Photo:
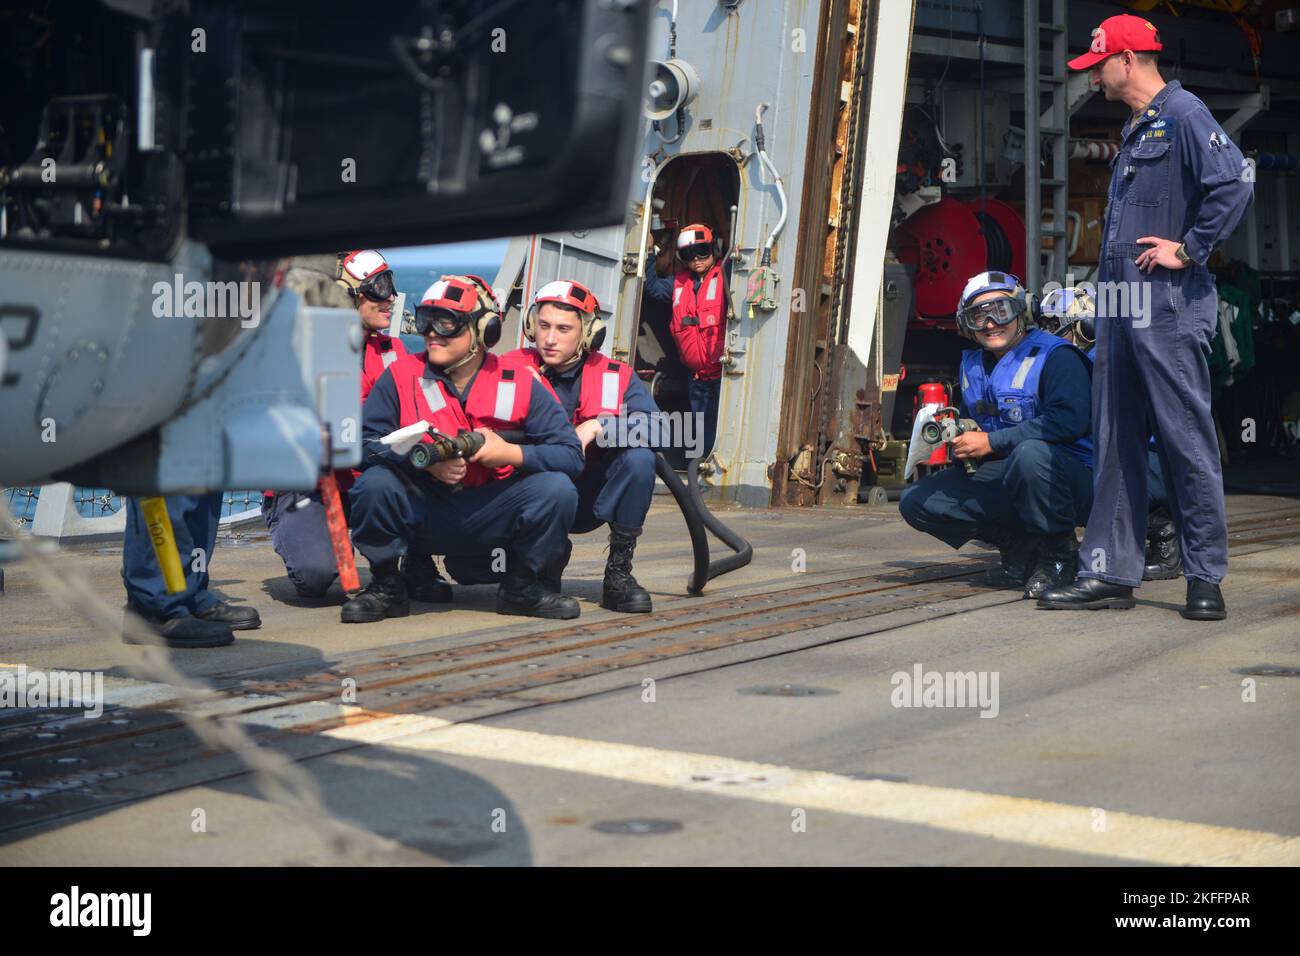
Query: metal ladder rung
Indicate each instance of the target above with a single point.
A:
(1052, 79)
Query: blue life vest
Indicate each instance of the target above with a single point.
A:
(1009, 395)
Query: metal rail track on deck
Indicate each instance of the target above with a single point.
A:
(55, 765)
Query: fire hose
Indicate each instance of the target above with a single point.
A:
(948, 429)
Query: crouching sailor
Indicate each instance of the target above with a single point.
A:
(617, 483)
(1029, 392)
(299, 530)
(515, 497)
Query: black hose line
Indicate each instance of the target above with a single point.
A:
(699, 539)
(698, 518)
(696, 514)
(999, 246)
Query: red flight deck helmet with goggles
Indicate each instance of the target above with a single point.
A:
(450, 306)
(696, 241)
(365, 271)
(575, 295)
(1117, 34)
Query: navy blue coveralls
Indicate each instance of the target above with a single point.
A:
(300, 535)
(194, 525)
(1033, 483)
(1157, 497)
(1177, 177)
(396, 507)
(617, 484)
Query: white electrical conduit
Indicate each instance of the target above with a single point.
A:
(780, 185)
(646, 214)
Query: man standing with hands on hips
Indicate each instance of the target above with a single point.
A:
(1177, 191)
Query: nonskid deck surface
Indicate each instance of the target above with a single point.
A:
(781, 678)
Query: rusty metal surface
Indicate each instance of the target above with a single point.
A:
(806, 368)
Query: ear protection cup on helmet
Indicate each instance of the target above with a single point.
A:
(487, 328)
(338, 276)
(593, 335)
(1087, 329)
(485, 322)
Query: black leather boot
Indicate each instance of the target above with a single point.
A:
(385, 596)
(1054, 567)
(1204, 601)
(553, 573)
(621, 592)
(1017, 553)
(180, 632)
(1087, 594)
(1164, 560)
(237, 617)
(423, 582)
(525, 594)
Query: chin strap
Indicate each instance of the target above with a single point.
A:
(565, 366)
(469, 355)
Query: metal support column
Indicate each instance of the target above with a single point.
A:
(1056, 131)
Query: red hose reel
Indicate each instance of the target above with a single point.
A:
(950, 241)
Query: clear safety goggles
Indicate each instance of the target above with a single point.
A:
(429, 318)
(1001, 311)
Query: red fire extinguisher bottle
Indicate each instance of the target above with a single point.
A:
(932, 393)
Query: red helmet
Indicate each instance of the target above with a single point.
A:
(367, 272)
(486, 290)
(568, 292)
(696, 241)
(693, 235)
(451, 293)
(577, 296)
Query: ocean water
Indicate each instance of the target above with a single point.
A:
(414, 280)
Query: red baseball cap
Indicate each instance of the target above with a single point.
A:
(1117, 34)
